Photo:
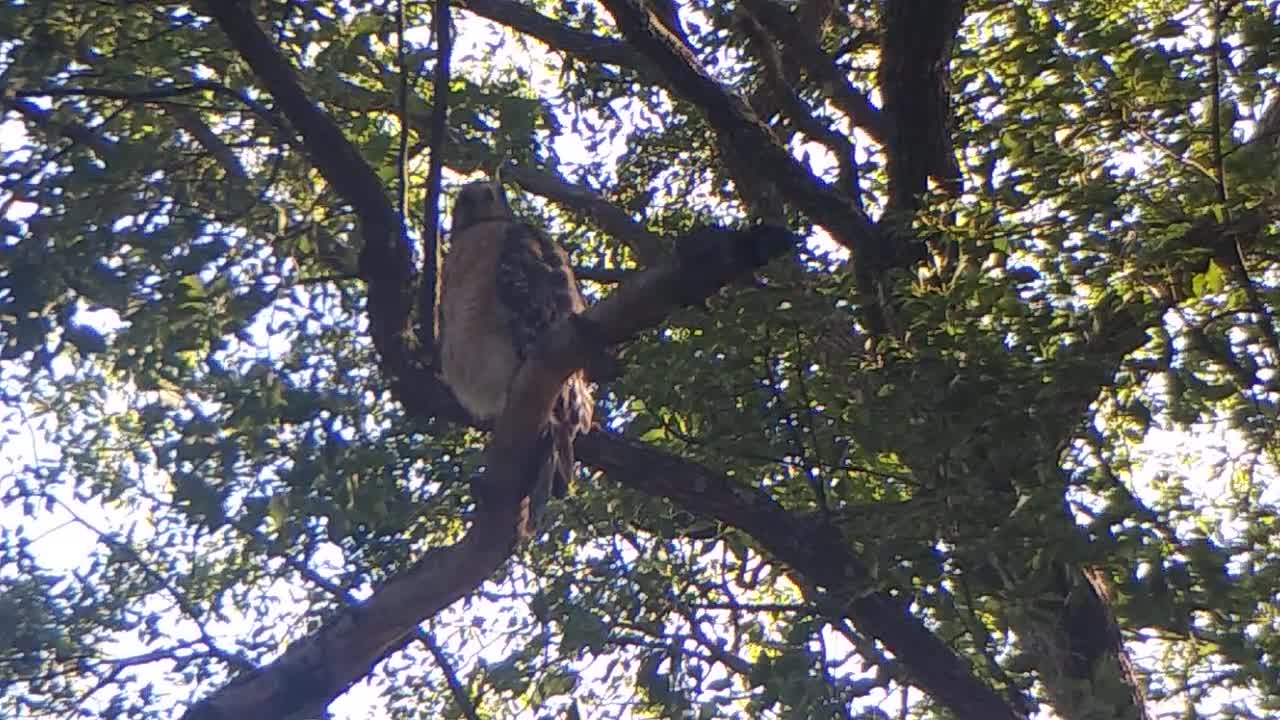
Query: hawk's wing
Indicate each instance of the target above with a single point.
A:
(538, 289)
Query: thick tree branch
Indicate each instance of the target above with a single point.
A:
(615, 221)
(340, 163)
(557, 36)
(800, 47)
(1071, 630)
(915, 54)
(739, 127)
(385, 249)
(423, 636)
(818, 552)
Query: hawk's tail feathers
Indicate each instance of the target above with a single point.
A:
(571, 415)
(540, 481)
(553, 465)
(562, 460)
(553, 460)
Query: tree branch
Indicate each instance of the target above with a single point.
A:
(739, 126)
(915, 55)
(432, 258)
(794, 107)
(456, 688)
(425, 637)
(152, 94)
(602, 275)
(557, 36)
(818, 552)
(188, 119)
(615, 221)
(800, 47)
(75, 132)
(385, 252)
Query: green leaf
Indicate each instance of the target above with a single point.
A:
(557, 683)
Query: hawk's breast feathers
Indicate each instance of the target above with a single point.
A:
(504, 284)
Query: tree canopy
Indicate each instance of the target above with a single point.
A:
(988, 432)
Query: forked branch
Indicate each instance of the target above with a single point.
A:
(738, 125)
(321, 666)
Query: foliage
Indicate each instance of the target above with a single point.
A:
(203, 458)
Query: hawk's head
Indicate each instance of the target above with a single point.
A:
(479, 202)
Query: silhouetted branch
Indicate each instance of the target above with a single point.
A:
(740, 128)
(150, 95)
(432, 258)
(584, 45)
(456, 688)
(916, 38)
(818, 552)
(188, 119)
(424, 637)
(602, 275)
(794, 108)
(386, 246)
(612, 219)
(800, 47)
(75, 132)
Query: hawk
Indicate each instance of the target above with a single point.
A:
(504, 284)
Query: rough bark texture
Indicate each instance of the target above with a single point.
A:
(916, 38)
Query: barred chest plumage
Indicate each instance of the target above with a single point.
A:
(477, 356)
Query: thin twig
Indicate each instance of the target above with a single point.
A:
(402, 62)
(152, 94)
(456, 687)
(794, 107)
(429, 301)
(1215, 119)
(184, 603)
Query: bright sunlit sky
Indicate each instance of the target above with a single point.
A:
(65, 542)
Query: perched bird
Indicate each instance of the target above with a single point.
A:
(504, 284)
